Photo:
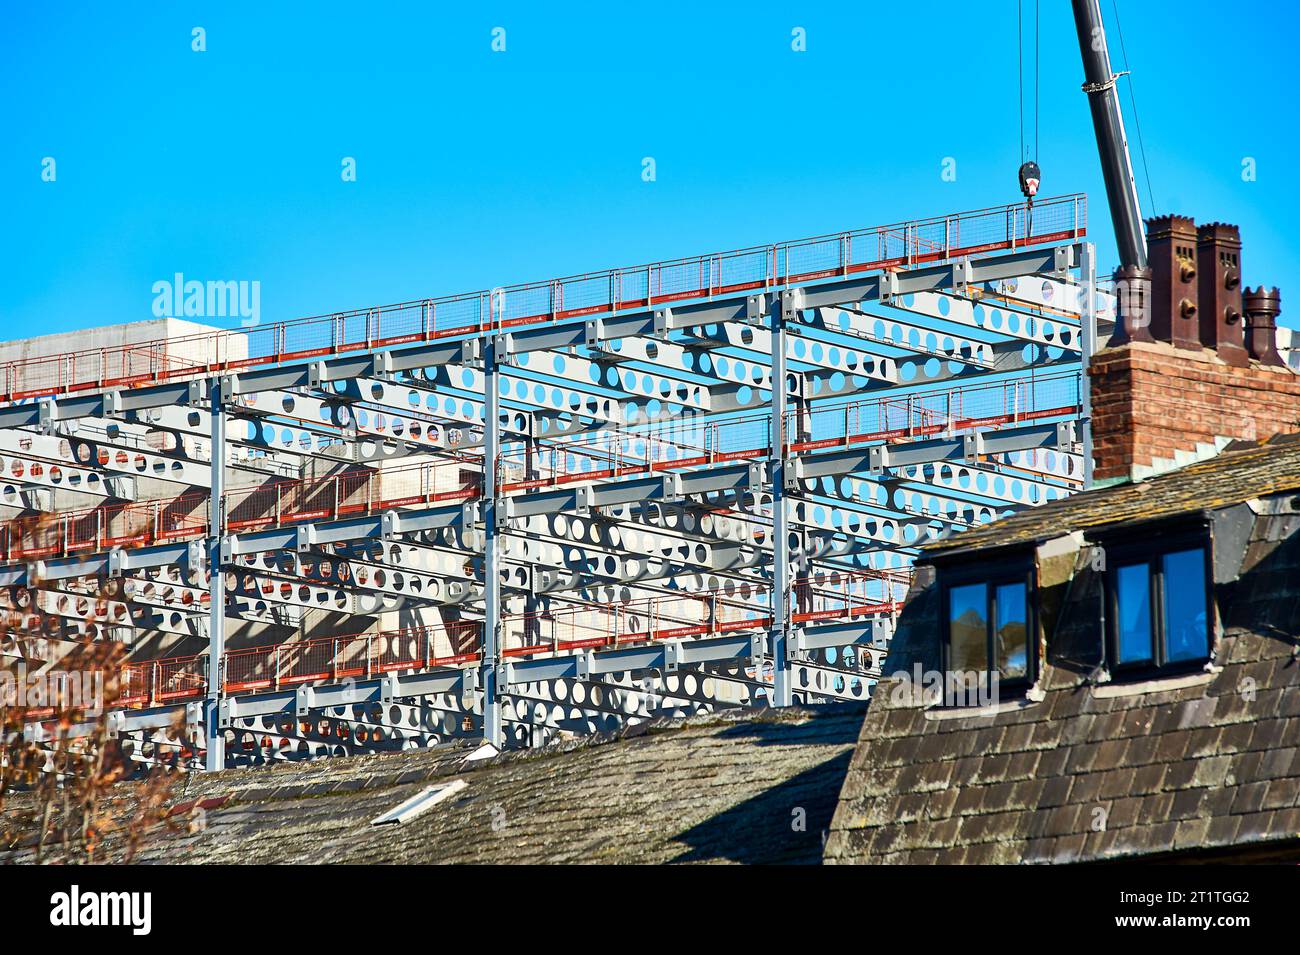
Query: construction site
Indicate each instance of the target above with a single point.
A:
(293, 529)
(658, 563)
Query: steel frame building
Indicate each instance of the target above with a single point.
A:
(545, 508)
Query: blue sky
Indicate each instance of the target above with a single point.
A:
(477, 169)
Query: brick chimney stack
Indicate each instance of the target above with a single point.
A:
(1192, 363)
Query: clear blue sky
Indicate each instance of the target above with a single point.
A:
(477, 168)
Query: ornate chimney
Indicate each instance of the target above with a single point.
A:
(1176, 381)
(1218, 262)
(1171, 253)
(1262, 307)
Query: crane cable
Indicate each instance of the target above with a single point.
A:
(1132, 99)
(1020, 52)
(1029, 174)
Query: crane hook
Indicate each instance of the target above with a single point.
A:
(1030, 176)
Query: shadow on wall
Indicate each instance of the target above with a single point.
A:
(782, 825)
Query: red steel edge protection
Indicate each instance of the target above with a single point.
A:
(279, 666)
(901, 245)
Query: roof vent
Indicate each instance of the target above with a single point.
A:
(419, 804)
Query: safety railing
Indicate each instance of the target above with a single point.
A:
(724, 273)
(740, 606)
(664, 617)
(899, 417)
(604, 455)
(840, 595)
(274, 504)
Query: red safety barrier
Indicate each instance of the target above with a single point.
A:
(843, 254)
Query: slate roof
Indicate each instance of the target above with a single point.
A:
(724, 788)
(1241, 472)
(1196, 767)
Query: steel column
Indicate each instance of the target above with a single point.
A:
(781, 695)
(492, 732)
(216, 744)
(1088, 340)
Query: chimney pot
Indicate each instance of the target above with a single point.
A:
(1132, 306)
(1171, 250)
(1218, 254)
(1262, 307)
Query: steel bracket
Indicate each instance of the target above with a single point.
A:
(888, 287)
(303, 699)
(1066, 437)
(877, 459)
(672, 655)
(972, 446)
(112, 402)
(792, 300)
(757, 475)
(505, 510)
(593, 333)
(1062, 261)
(305, 538)
(582, 500)
(471, 352)
(583, 664)
(663, 318)
(470, 681)
(671, 487)
(47, 410)
(503, 347)
(962, 276)
(793, 473)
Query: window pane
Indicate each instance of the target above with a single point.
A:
(1186, 634)
(1133, 612)
(1011, 640)
(968, 627)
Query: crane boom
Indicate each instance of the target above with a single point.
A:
(1112, 143)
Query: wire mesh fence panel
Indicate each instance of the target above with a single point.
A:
(180, 678)
(831, 594)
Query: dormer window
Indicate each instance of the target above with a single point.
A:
(1158, 610)
(989, 621)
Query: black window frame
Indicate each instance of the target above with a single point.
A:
(993, 573)
(1150, 546)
